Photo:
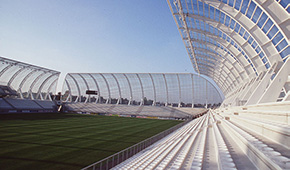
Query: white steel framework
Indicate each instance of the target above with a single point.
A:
(241, 44)
(178, 89)
(30, 81)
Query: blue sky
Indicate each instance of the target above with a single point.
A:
(93, 35)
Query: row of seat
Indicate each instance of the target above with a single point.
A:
(213, 141)
(273, 123)
(9, 104)
(150, 111)
(262, 130)
(263, 155)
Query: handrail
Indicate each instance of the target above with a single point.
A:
(121, 156)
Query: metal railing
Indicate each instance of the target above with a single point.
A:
(121, 156)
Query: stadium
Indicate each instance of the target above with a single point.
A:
(232, 112)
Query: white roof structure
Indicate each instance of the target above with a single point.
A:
(237, 43)
(141, 88)
(30, 81)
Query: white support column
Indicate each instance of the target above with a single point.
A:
(120, 95)
(287, 97)
(43, 83)
(272, 92)
(107, 84)
(193, 92)
(206, 94)
(166, 89)
(47, 93)
(261, 86)
(130, 88)
(142, 90)
(154, 90)
(69, 97)
(250, 89)
(24, 80)
(14, 76)
(5, 69)
(179, 90)
(33, 83)
(88, 88)
(239, 92)
(78, 99)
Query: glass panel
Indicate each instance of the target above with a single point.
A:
(227, 21)
(207, 27)
(272, 32)
(282, 45)
(250, 40)
(261, 55)
(277, 38)
(237, 27)
(232, 42)
(220, 33)
(264, 60)
(197, 24)
(195, 7)
(251, 9)
(268, 26)
(254, 45)
(242, 31)
(222, 18)
(200, 8)
(262, 20)
(211, 12)
(231, 3)
(246, 35)
(224, 36)
(232, 24)
(256, 14)
(206, 10)
(258, 49)
(244, 6)
(286, 52)
(217, 15)
(284, 3)
(238, 4)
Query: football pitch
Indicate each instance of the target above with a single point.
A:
(68, 141)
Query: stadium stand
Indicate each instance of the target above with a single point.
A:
(242, 45)
(207, 143)
(7, 91)
(26, 88)
(133, 110)
(4, 105)
(10, 105)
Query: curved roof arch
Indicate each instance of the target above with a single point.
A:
(254, 33)
(28, 80)
(136, 88)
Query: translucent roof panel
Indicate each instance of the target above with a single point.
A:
(159, 88)
(28, 80)
(247, 36)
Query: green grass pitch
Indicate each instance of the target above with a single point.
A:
(68, 141)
